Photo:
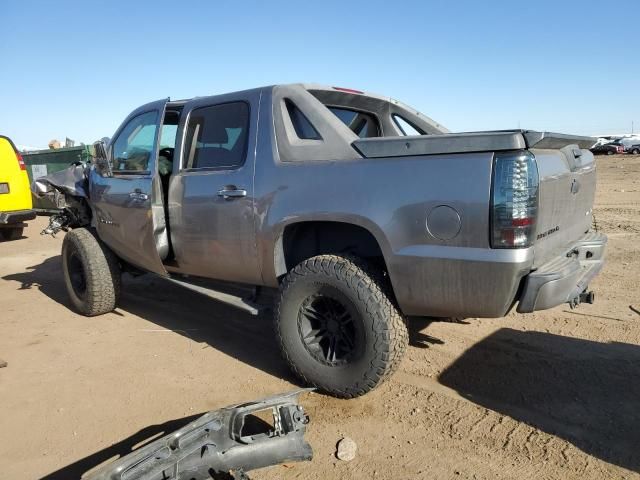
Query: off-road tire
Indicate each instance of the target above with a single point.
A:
(84, 254)
(385, 338)
(11, 233)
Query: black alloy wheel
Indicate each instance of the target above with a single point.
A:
(328, 329)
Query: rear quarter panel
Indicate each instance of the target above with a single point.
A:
(392, 198)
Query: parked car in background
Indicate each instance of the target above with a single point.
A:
(634, 149)
(15, 194)
(607, 149)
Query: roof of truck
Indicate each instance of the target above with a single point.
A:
(344, 91)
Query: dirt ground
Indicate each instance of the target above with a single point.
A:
(550, 395)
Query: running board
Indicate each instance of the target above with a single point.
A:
(242, 303)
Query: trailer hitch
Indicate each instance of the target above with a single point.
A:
(223, 443)
(584, 297)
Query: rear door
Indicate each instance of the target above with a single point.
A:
(211, 199)
(128, 205)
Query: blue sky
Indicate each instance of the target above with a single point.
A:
(77, 68)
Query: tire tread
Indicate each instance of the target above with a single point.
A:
(102, 272)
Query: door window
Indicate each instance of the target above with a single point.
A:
(168, 136)
(217, 136)
(135, 144)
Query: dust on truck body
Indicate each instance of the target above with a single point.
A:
(358, 209)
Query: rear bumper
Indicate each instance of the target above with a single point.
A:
(17, 216)
(442, 281)
(563, 279)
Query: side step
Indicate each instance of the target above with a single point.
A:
(246, 304)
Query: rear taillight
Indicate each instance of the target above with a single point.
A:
(514, 200)
(20, 161)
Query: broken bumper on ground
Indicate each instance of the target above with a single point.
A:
(225, 442)
(565, 279)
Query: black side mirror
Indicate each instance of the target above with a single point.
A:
(101, 161)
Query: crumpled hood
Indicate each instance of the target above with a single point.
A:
(72, 181)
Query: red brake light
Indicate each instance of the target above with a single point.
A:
(21, 161)
(347, 90)
(522, 222)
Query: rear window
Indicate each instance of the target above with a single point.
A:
(362, 124)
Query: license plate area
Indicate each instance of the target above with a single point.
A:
(4, 188)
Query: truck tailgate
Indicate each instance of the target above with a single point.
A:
(566, 194)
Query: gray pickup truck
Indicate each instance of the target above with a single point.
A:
(351, 211)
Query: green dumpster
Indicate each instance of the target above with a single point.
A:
(43, 162)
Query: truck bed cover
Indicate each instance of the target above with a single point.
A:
(467, 142)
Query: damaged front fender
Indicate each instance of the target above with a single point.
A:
(222, 443)
(66, 192)
(70, 181)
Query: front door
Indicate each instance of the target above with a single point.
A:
(211, 203)
(128, 205)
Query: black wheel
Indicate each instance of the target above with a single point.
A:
(91, 273)
(609, 152)
(337, 327)
(11, 233)
(635, 151)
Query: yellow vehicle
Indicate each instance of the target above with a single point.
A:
(15, 194)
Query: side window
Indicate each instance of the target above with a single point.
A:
(134, 145)
(217, 136)
(405, 127)
(362, 124)
(303, 127)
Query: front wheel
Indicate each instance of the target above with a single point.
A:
(337, 327)
(91, 273)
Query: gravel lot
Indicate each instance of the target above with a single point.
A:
(550, 395)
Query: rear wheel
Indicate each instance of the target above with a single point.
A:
(609, 152)
(11, 233)
(635, 151)
(91, 273)
(337, 327)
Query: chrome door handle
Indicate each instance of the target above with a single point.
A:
(228, 193)
(138, 196)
